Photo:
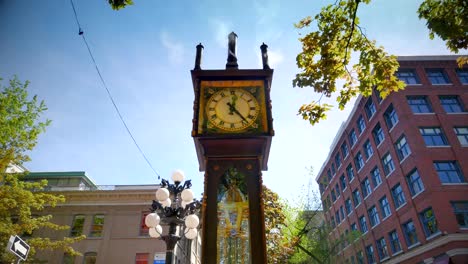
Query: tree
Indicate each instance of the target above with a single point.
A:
(326, 52)
(119, 4)
(279, 247)
(21, 202)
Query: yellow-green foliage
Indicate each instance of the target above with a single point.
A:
(21, 202)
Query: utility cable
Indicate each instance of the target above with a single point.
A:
(81, 33)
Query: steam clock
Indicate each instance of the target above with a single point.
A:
(232, 131)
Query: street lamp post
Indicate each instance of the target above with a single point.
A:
(176, 207)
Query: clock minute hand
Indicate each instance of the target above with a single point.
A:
(233, 109)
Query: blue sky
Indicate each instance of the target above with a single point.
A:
(145, 53)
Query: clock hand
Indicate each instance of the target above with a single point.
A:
(232, 109)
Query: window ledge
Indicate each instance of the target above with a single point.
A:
(369, 157)
(397, 253)
(377, 186)
(405, 158)
(380, 143)
(388, 175)
(441, 146)
(429, 113)
(417, 194)
(384, 259)
(455, 183)
(352, 180)
(394, 125)
(398, 208)
(414, 84)
(457, 113)
(414, 245)
(438, 233)
(441, 84)
(358, 206)
(93, 238)
(374, 226)
(386, 217)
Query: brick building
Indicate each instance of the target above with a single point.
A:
(397, 170)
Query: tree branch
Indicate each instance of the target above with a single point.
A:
(309, 253)
(353, 24)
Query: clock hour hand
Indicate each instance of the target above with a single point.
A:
(233, 109)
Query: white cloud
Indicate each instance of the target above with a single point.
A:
(274, 58)
(222, 30)
(175, 49)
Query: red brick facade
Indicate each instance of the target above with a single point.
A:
(430, 196)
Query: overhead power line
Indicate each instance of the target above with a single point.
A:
(81, 33)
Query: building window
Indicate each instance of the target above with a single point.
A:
(370, 108)
(338, 160)
(337, 217)
(385, 207)
(402, 148)
(368, 151)
(350, 172)
(361, 124)
(419, 104)
(408, 76)
(342, 213)
(462, 135)
(448, 172)
(428, 222)
(352, 137)
(337, 188)
(461, 213)
(349, 206)
(356, 198)
(360, 257)
(68, 259)
(343, 182)
(433, 136)
(333, 222)
(366, 188)
(382, 248)
(378, 134)
(353, 227)
(344, 150)
(363, 224)
(410, 233)
(77, 225)
(90, 258)
(329, 175)
(370, 254)
(143, 228)
(333, 170)
(398, 196)
(414, 183)
(451, 104)
(437, 76)
(391, 117)
(463, 75)
(387, 164)
(333, 194)
(376, 179)
(359, 161)
(97, 226)
(141, 258)
(394, 241)
(373, 216)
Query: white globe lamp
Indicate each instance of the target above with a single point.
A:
(178, 176)
(162, 194)
(187, 195)
(191, 233)
(155, 231)
(192, 221)
(152, 220)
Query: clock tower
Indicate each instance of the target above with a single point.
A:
(232, 131)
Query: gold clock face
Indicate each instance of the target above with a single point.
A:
(232, 109)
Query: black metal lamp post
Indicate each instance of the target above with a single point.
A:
(176, 207)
